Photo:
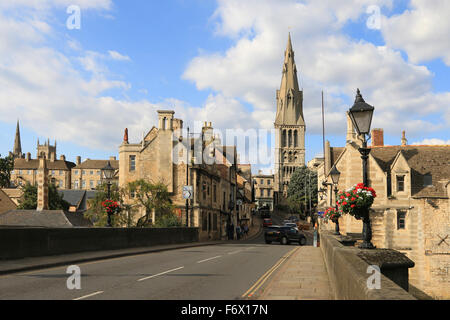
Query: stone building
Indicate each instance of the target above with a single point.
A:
(26, 169)
(411, 212)
(161, 157)
(289, 126)
(87, 175)
(245, 204)
(264, 190)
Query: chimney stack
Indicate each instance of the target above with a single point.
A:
(78, 161)
(42, 189)
(125, 136)
(28, 156)
(404, 140)
(377, 138)
(62, 157)
(112, 158)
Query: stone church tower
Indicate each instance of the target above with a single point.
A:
(289, 125)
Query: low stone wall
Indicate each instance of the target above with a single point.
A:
(348, 274)
(33, 242)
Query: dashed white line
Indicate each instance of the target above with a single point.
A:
(89, 295)
(233, 252)
(208, 259)
(159, 274)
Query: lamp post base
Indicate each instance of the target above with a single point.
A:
(366, 245)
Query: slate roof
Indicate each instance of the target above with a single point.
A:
(423, 160)
(23, 164)
(97, 164)
(6, 203)
(77, 198)
(43, 219)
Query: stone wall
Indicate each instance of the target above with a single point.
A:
(18, 243)
(348, 274)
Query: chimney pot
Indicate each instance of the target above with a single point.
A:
(62, 157)
(78, 162)
(377, 138)
(112, 158)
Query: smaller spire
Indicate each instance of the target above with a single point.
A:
(17, 144)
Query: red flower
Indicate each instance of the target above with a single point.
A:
(353, 199)
(352, 206)
(344, 203)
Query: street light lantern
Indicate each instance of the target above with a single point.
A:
(108, 172)
(361, 114)
(335, 174)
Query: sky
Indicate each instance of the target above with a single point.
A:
(81, 71)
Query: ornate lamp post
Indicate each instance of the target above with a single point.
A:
(108, 174)
(361, 115)
(335, 174)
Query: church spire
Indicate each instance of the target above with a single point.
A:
(289, 97)
(17, 152)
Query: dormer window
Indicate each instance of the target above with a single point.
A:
(400, 183)
(427, 180)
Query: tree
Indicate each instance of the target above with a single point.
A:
(29, 199)
(6, 166)
(97, 213)
(302, 189)
(153, 197)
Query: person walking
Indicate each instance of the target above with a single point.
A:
(238, 232)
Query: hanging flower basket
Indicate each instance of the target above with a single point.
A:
(111, 207)
(333, 214)
(356, 201)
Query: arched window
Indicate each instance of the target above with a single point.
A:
(295, 138)
(283, 139)
(290, 138)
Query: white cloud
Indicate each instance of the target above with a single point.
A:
(326, 59)
(432, 141)
(117, 56)
(422, 30)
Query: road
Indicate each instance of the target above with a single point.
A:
(223, 272)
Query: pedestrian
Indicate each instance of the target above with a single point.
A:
(238, 232)
(246, 230)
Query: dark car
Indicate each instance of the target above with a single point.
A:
(284, 235)
(294, 219)
(267, 222)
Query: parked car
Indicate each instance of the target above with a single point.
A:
(294, 219)
(291, 224)
(284, 235)
(267, 222)
(287, 221)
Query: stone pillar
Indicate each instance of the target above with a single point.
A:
(42, 189)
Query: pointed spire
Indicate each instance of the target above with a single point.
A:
(17, 144)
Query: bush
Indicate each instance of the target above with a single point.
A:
(168, 221)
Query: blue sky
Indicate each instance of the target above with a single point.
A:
(217, 61)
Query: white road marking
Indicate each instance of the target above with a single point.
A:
(89, 295)
(159, 274)
(208, 259)
(233, 252)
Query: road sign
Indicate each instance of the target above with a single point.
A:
(188, 192)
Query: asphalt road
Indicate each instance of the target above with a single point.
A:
(225, 271)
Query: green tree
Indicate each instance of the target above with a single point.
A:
(29, 199)
(152, 197)
(302, 188)
(6, 166)
(97, 213)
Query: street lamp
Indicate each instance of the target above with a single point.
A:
(108, 174)
(361, 115)
(335, 174)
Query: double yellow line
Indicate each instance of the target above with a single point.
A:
(250, 292)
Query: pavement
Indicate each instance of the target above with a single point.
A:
(36, 263)
(302, 276)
